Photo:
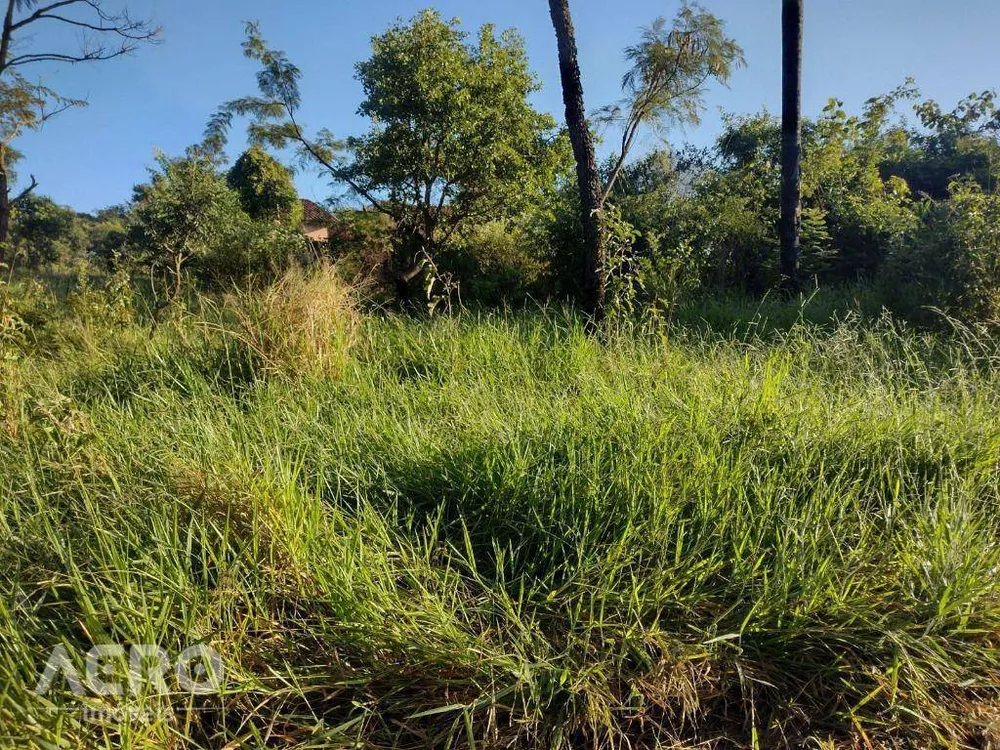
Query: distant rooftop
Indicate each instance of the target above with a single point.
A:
(314, 214)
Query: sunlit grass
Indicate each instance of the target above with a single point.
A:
(496, 531)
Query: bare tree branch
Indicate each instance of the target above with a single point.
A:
(92, 56)
(27, 105)
(25, 193)
(96, 20)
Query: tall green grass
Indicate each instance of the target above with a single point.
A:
(495, 531)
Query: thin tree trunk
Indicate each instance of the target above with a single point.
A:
(178, 270)
(4, 212)
(791, 142)
(587, 175)
(5, 39)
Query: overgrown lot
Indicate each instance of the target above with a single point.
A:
(495, 531)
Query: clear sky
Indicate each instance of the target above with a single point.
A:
(162, 97)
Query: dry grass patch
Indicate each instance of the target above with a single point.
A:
(303, 324)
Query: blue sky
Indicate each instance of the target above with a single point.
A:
(162, 97)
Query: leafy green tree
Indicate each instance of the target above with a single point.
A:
(866, 212)
(181, 214)
(107, 234)
(24, 106)
(453, 139)
(671, 66)
(188, 216)
(964, 141)
(44, 232)
(265, 187)
(27, 105)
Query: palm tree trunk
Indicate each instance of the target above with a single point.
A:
(588, 178)
(791, 142)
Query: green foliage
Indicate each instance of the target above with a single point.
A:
(265, 188)
(724, 223)
(12, 326)
(108, 239)
(494, 529)
(187, 214)
(553, 227)
(670, 68)
(496, 262)
(361, 243)
(952, 260)
(960, 142)
(303, 323)
(45, 233)
(112, 304)
(251, 251)
(623, 282)
(454, 139)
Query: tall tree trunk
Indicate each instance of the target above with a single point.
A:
(791, 142)
(4, 212)
(588, 178)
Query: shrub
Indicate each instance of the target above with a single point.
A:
(265, 188)
(182, 215)
(45, 233)
(111, 304)
(305, 323)
(250, 251)
(188, 217)
(952, 259)
(361, 243)
(495, 263)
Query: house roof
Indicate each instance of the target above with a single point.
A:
(314, 214)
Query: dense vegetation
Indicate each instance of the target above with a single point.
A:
(907, 210)
(495, 529)
(416, 497)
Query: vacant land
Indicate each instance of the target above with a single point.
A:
(496, 531)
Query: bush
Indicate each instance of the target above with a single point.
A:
(187, 217)
(45, 233)
(304, 323)
(250, 251)
(952, 260)
(495, 264)
(265, 188)
(361, 244)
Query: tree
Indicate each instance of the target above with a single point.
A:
(671, 66)
(265, 187)
(587, 175)
(453, 138)
(964, 141)
(27, 105)
(181, 214)
(45, 232)
(791, 142)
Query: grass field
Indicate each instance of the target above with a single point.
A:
(494, 531)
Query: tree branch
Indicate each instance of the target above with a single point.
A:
(42, 11)
(100, 22)
(128, 31)
(25, 193)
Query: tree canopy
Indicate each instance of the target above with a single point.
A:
(265, 188)
(453, 138)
